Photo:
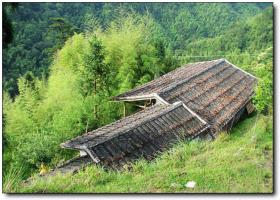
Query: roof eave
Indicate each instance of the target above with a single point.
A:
(66, 145)
(142, 98)
(91, 153)
(134, 98)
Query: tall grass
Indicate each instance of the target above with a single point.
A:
(12, 179)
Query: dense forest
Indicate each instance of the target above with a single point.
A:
(41, 29)
(66, 60)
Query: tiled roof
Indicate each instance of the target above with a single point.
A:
(144, 133)
(196, 99)
(214, 90)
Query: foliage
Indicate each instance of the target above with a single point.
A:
(240, 44)
(62, 27)
(95, 72)
(40, 29)
(75, 98)
(248, 45)
(263, 67)
(58, 85)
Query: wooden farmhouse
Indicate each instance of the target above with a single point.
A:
(197, 100)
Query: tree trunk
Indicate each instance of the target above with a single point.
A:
(94, 92)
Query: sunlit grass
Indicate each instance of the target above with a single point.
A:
(239, 162)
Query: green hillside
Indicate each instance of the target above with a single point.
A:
(239, 162)
(66, 61)
(42, 28)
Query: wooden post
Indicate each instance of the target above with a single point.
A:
(94, 92)
(124, 109)
(92, 154)
(95, 111)
(87, 127)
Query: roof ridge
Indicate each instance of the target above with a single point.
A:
(166, 75)
(222, 59)
(168, 108)
(115, 122)
(185, 65)
(241, 69)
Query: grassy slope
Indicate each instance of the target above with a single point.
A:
(239, 162)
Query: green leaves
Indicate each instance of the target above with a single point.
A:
(119, 51)
(264, 70)
(95, 73)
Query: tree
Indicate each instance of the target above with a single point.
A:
(62, 26)
(264, 92)
(95, 72)
(8, 31)
(62, 29)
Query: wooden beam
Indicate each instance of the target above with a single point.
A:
(92, 155)
(135, 98)
(250, 107)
